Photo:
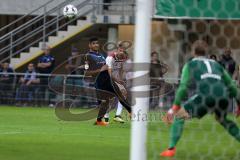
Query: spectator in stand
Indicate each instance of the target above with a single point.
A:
(27, 86)
(213, 57)
(74, 67)
(228, 62)
(74, 62)
(157, 70)
(236, 75)
(6, 83)
(230, 65)
(45, 66)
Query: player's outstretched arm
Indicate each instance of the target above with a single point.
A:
(180, 95)
(92, 73)
(182, 89)
(95, 72)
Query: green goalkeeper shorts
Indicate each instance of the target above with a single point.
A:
(214, 99)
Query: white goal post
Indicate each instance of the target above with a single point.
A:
(141, 55)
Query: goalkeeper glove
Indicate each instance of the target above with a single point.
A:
(168, 118)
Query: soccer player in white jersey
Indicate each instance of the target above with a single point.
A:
(115, 62)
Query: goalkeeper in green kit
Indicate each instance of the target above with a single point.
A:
(213, 89)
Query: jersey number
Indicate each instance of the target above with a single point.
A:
(209, 73)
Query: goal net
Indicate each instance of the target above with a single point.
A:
(177, 24)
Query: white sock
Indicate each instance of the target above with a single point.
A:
(106, 115)
(119, 109)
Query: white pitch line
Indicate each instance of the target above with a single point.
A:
(9, 133)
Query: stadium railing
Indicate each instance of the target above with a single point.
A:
(40, 93)
(45, 91)
(43, 94)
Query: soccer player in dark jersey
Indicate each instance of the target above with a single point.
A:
(213, 89)
(106, 90)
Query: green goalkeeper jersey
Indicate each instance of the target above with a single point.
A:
(205, 77)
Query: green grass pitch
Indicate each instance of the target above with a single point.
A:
(37, 134)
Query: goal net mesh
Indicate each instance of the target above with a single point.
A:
(216, 22)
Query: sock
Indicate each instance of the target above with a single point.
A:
(106, 117)
(232, 128)
(103, 108)
(126, 105)
(99, 119)
(176, 132)
(119, 109)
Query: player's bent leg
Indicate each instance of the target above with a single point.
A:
(194, 110)
(106, 117)
(118, 89)
(176, 133)
(118, 117)
(102, 111)
(119, 109)
(104, 95)
(221, 116)
(230, 126)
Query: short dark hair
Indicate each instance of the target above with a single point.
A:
(200, 51)
(154, 52)
(93, 39)
(213, 56)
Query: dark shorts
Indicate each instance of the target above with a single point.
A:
(107, 89)
(103, 82)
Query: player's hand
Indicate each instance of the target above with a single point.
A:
(82, 67)
(168, 118)
(21, 80)
(40, 65)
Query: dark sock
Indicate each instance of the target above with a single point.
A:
(171, 148)
(99, 119)
(103, 109)
(106, 119)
